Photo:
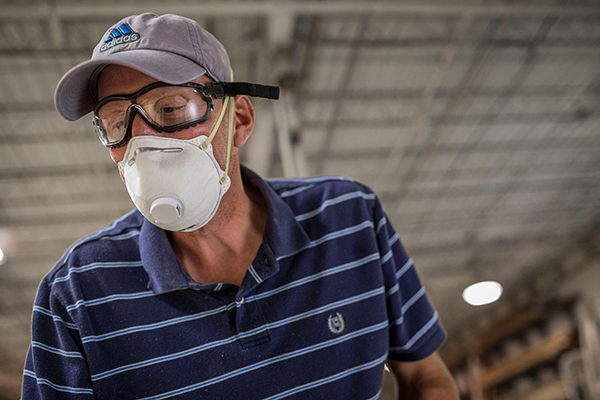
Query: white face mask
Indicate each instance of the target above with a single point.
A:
(177, 184)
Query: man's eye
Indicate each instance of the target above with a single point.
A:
(119, 125)
(171, 109)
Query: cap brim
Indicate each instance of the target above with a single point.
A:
(73, 98)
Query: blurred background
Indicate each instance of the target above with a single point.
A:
(476, 122)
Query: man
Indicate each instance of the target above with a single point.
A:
(220, 285)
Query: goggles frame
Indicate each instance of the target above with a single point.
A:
(218, 90)
(135, 108)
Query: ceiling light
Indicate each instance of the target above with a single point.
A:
(482, 293)
(2, 257)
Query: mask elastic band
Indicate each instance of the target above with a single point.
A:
(229, 138)
(208, 141)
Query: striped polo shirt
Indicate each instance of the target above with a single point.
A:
(330, 296)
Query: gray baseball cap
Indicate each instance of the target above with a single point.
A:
(170, 48)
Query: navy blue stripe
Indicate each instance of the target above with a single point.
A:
(270, 361)
(211, 345)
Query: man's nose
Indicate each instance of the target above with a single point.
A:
(141, 127)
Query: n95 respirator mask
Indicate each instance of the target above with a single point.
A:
(176, 184)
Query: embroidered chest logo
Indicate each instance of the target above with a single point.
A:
(336, 323)
(120, 35)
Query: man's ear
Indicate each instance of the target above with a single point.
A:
(244, 120)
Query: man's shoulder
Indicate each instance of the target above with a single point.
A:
(325, 198)
(315, 186)
(117, 242)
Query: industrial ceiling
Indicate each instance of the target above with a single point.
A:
(476, 122)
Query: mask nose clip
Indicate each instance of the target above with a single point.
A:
(141, 150)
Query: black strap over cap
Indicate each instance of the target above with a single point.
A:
(222, 89)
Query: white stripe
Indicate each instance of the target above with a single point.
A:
(221, 342)
(314, 277)
(331, 236)
(392, 290)
(54, 386)
(376, 395)
(407, 307)
(417, 335)
(54, 350)
(330, 379)
(273, 360)
(29, 373)
(254, 274)
(315, 179)
(334, 201)
(381, 224)
(294, 192)
(124, 236)
(340, 233)
(156, 325)
(404, 268)
(387, 257)
(88, 267)
(111, 298)
(413, 300)
(42, 310)
(393, 239)
(327, 307)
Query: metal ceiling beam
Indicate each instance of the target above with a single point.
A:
(444, 93)
(58, 171)
(411, 152)
(531, 145)
(493, 189)
(344, 85)
(457, 43)
(458, 120)
(483, 246)
(500, 103)
(234, 8)
(89, 199)
(525, 219)
(99, 216)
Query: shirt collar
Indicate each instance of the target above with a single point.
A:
(283, 236)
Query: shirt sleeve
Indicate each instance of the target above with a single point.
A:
(415, 328)
(55, 367)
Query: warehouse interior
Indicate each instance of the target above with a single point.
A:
(477, 123)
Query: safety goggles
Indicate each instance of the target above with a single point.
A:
(165, 107)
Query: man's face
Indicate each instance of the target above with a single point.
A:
(116, 79)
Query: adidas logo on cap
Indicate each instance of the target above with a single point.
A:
(120, 35)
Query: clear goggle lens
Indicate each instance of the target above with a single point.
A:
(166, 108)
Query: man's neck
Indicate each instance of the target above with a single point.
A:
(222, 251)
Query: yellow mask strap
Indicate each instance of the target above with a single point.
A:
(208, 141)
(229, 137)
(228, 101)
